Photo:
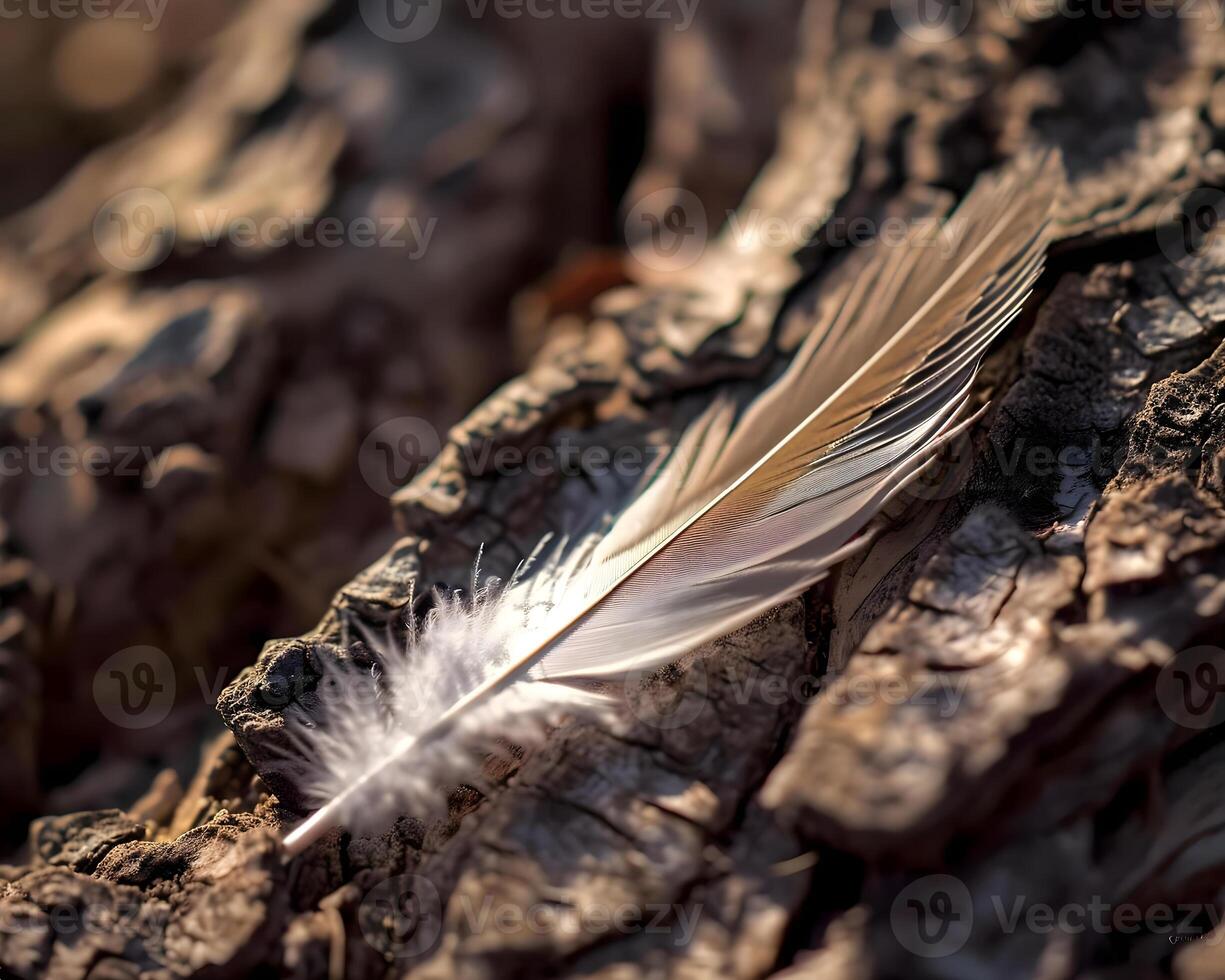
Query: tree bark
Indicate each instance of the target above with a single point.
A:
(987, 746)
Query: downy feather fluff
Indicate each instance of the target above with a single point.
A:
(750, 510)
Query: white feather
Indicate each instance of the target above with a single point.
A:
(746, 514)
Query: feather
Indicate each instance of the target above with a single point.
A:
(747, 513)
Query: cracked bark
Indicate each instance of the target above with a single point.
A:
(983, 693)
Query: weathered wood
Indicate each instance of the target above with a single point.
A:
(986, 694)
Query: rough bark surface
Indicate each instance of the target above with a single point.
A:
(981, 715)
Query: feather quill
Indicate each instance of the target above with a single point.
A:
(747, 513)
